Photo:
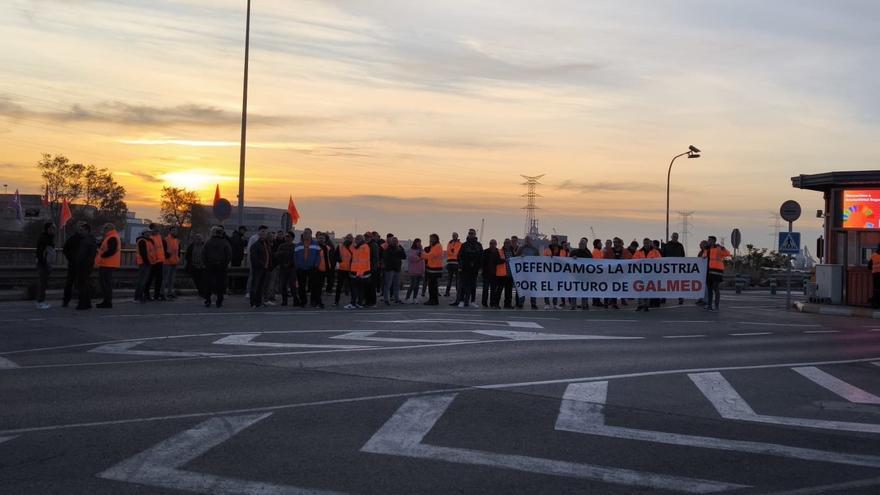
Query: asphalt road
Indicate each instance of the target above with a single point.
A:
(176, 398)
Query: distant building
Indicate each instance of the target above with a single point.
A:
(133, 227)
(254, 216)
(32, 208)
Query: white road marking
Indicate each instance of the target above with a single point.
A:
(687, 321)
(160, 465)
(683, 336)
(246, 339)
(821, 331)
(835, 487)
(365, 398)
(838, 386)
(5, 439)
(368, 336)
(608, 321)
(766, 324)
(583, 411)
(749, 334)
(498, 323)
(126, 348)
(874, 330)
(515, 335)
(730, 405)
(403, 433)
(7, 364)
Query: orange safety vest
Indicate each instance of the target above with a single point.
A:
(344, 258)
(452, 250)
(562, 252)
(137, 250)
(716, 257)
(115, 259)
(653, 253)
(434, 259)
(360, 261)
(158, 249)
(173, 250)
(501, 270)
(875, 263)
(322, 262)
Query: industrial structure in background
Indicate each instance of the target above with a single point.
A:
(685, 230)
(531, 227)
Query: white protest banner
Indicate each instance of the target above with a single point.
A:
(545, 276)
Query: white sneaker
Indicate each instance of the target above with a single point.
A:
(269, 303)
(475, 305)
(461, 305)
(247, 296)
(43, 305)
(547, 307)
(350, 306)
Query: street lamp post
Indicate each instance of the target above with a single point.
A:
(692, 152)
(247, 40)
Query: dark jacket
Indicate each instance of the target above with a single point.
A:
(71, 247)
(284, 256)
(580, 253)
(237, 244)
(261, 255)
(392, 258)
(44, 241)
(470, 257)
(673, 249)
(217, 251)
(374, 255)
(85, 253)
(491, 260)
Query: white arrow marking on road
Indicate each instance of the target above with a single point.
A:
(493, 323)
(159, 466)
(246, 339)
(4, 439)
(7, 364)
(731, 405)
(368, 336)
(514, 335)
(838, 386)
(126, 348)
(403, 433)
(583, 411)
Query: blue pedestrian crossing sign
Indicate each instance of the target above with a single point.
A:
(789, 242)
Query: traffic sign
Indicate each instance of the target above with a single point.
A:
(789, 242)
(790, 211)
(735, 238)
(222, 209)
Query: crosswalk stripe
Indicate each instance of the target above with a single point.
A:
(583, 411)
(838, 386)
(403, 433)
(730, 405)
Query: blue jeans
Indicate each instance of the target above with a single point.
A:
(392, 286)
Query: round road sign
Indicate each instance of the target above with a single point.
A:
(735, 238)
(790, 211)
(222, 209)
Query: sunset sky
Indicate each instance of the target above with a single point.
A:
(415, 117)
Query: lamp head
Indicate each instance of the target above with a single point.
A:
(693, 149)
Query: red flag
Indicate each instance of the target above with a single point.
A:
(65, 212)
(216, 195)
(294, 214)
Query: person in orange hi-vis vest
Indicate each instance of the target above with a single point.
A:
(715, 255)
(359, 272)
(108, 260)
(874, 265)
(453, 247)
(172, 259)
(647, 251)
(157, 262)
(343, 256)
(433, 257)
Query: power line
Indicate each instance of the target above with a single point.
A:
(531, 183)
(685, 230)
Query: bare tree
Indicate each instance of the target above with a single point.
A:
(177, 204)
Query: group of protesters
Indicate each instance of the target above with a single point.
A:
(362, 267)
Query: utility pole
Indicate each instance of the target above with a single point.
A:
(776, 226)
(247, 42)
(531, 222)
(685, 221)
(482, 228)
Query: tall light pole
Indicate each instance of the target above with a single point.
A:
(247, 42)
(692, 152)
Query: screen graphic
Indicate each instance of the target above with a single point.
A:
(861, 209)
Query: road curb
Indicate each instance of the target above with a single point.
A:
(824, 309)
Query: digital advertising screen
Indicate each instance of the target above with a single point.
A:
(861, 209)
